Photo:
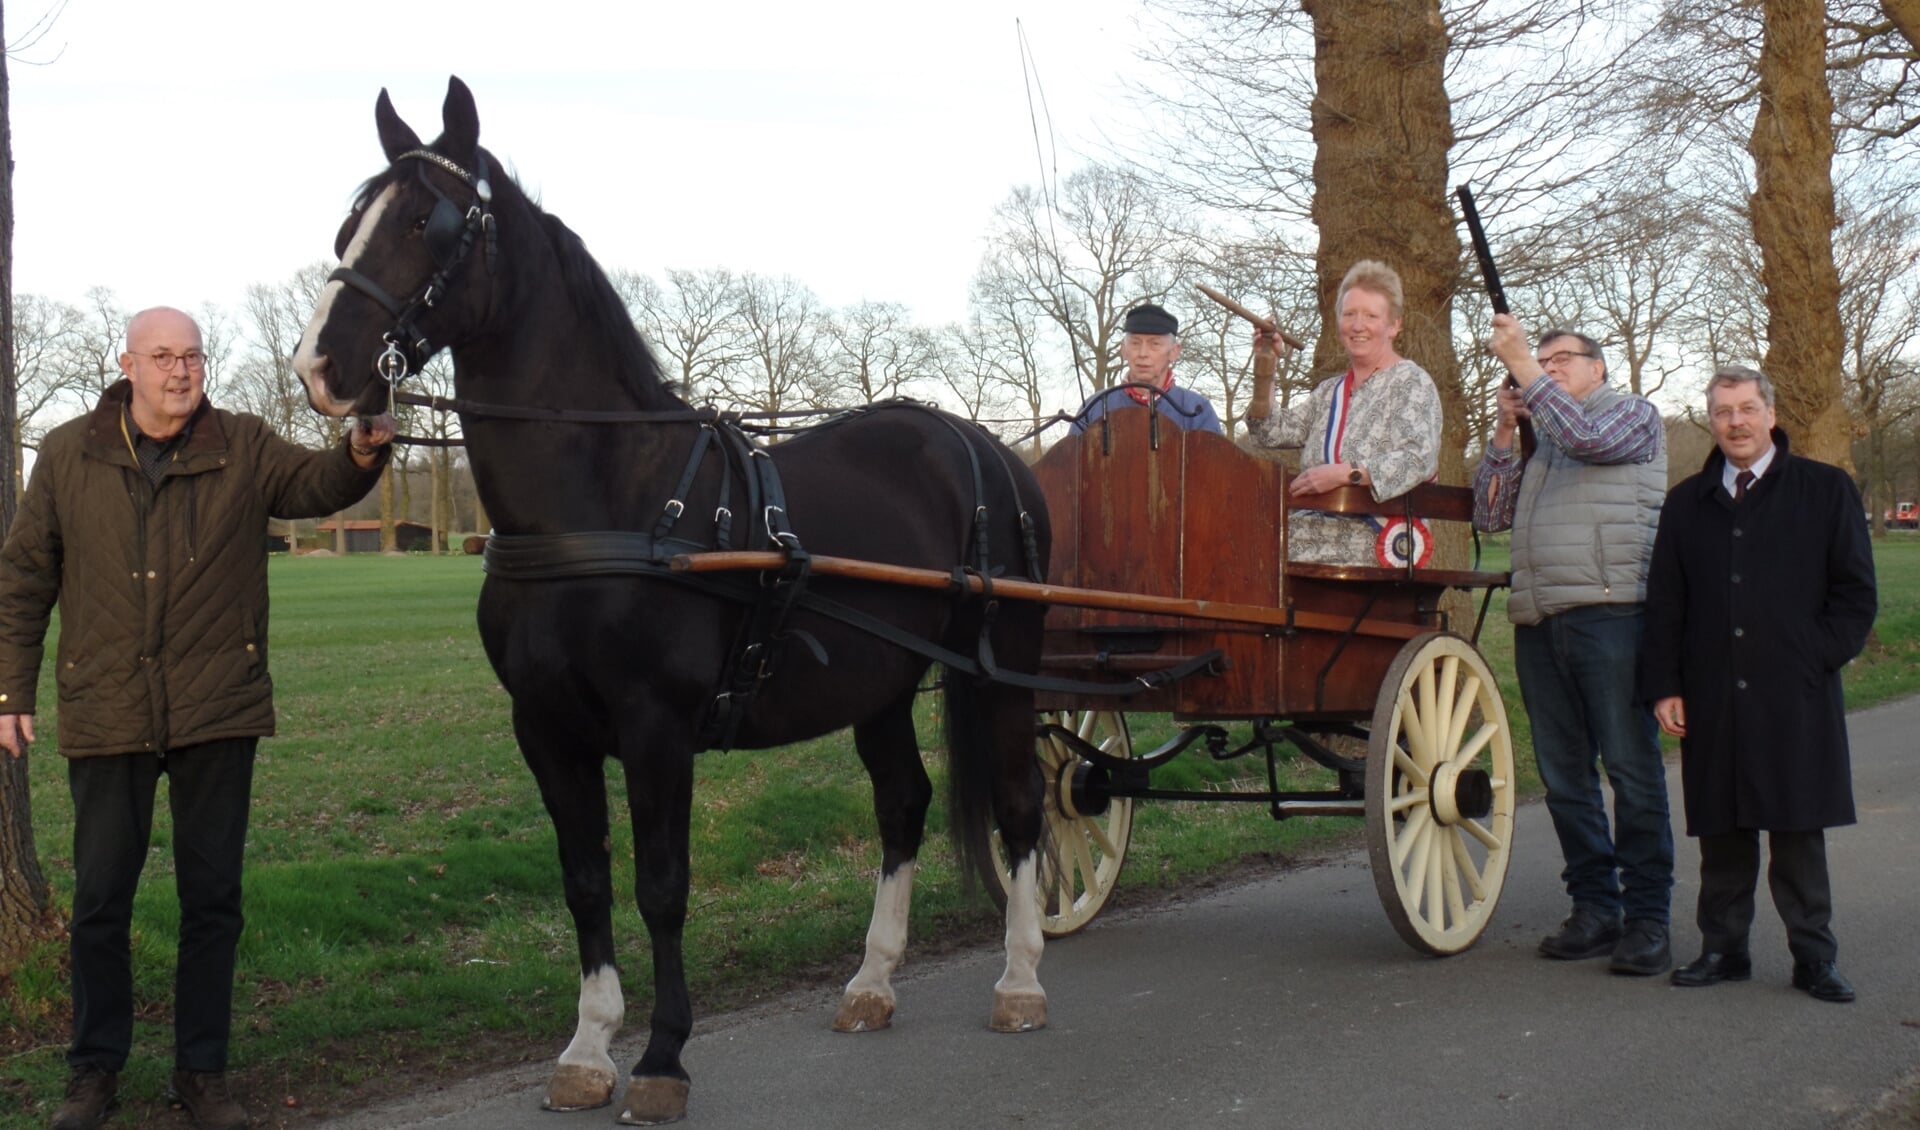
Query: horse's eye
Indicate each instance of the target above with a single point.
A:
(420, 225)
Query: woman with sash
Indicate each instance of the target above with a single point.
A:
(1377, 425)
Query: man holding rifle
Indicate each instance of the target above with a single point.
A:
(1583, 510)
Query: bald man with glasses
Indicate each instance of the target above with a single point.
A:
(146, 522)
(1583, 509)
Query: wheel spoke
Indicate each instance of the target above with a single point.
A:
(1468, 870)
(1413, 773)
(1434, 894)
(1482, 833)
(1409, 837)
(1450, 871)
(1472, 749)
(1097, 832)
(1443, 705)
(1462, 712)
(1414, 731)
(1406, 800)
(1429, 735)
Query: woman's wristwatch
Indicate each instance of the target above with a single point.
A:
(1353, 473)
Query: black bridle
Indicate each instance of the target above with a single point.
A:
(449, 234)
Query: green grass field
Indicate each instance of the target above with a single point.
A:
(403, 897)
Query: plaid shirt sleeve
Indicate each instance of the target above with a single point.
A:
(1628, 432)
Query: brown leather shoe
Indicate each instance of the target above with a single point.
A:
(91, 1093)
(205, 1096)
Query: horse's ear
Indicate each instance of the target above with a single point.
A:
(460, 120)
(396, 136)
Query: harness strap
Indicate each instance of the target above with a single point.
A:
(751, 659)
(676, 505)
(591, 553)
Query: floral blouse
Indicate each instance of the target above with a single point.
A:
(1391, 428)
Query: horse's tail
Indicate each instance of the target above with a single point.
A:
(970, 772)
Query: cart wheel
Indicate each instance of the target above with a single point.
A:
(1440, 793)
(1086, 841)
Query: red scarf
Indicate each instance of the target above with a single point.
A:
(1145, 398)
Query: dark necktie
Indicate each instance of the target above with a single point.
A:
(1741, 482)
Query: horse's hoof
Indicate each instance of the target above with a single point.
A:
(578, 1088)
(863, 1012)
(654, 1099)
(1019, 1012)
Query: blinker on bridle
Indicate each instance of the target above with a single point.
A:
(449, 236)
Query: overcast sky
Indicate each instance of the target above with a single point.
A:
(178, 150)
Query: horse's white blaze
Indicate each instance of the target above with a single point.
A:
(1024, 939)
(305, 358)
(601, 1009)
(886, 934)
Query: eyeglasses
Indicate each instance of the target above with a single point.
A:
(167, 361)
(1561, 358)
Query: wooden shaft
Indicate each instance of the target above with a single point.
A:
(855, 569)
(1261, 406)
(1266, 324)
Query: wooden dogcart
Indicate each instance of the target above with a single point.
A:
(1153, 516)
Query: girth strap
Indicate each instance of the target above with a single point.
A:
(593, 553)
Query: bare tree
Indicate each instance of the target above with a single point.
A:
(1080, 257)
(1636, 275)
(780, 324)
(967, 367)
(26, 903)
(102, 338)
(1793, 221)
(873, 351)
(1878, 256)
(262, 381)
(1004, 342)
(694, 321)
(47, 389)
(1216, 357)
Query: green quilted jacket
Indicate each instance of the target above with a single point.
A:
(162, 592)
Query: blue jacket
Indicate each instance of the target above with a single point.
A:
(1183, 406)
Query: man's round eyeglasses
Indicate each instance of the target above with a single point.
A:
(167, 362)
(1562, 357)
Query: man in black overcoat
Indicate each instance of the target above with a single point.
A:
(1761, 590)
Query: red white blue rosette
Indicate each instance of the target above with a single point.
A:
(1401, 542)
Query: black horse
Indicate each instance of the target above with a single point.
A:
(594, 473)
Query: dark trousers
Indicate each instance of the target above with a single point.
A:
(208, 791)
(1797, 876)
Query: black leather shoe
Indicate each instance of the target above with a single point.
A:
(1643, 950)
(205, 1096)
(1712, 968)
(1586, 933)
(1822, 981)
(90, 1096)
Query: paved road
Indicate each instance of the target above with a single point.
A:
(1290, 1001)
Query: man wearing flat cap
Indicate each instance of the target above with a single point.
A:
(1151, 346)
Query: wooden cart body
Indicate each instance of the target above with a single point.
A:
(1140, 506)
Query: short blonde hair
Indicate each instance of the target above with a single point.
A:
(1373, 275)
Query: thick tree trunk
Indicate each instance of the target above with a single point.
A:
(1382, 126)
(26, 905)
(1905, 17)
(1793, 221)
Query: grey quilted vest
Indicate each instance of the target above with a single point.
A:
(1583, 532)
